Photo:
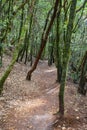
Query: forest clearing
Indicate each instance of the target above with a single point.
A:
(43, 65)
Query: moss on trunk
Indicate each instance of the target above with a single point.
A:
(9, 69)
(83, 79)
(66, 54)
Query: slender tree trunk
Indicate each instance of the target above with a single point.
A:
(50, 50)
(50, 58)
(58, 49)
(83, 79)
(66, 56)
(43, 41)
(1, 53)
(31, 52)
(24, 50)
(24, 47)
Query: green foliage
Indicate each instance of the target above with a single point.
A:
(10, 20)
(78, 47)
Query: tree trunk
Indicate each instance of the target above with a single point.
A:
(1, 53)
(58, 49)
(66, 54)
(9, 69)
(50, 50)
(61, 92)
(51, 57)
(24, 50)
(31, 53)
(83, 79)
(43, 41)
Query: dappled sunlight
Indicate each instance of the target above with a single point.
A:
(51, 70)
(42, 117)
(24, 106)
(53, 91)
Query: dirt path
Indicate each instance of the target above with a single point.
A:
(34, 114)
(30, 105)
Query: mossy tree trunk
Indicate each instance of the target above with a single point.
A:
(50, 57)
(9, 69)
(24, 49)
(83, 79)
(50, 50)
(31, 53)
(1, 53)
(66, 54)
(58, 53)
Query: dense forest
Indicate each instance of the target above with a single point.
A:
(43, 60)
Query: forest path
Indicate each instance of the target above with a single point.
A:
(30, 105)
(34, 114)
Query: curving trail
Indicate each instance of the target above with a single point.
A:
(30, 105)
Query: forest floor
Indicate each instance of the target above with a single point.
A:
(30, 105)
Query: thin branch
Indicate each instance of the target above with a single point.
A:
(85, 1)
(46, 22)
(76, 26)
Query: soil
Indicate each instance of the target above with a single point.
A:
(30, 105)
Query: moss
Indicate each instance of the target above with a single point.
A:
(66, 55)
(9, 69)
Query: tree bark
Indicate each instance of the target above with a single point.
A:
(82, 89)
(66, 54)
(58, 49)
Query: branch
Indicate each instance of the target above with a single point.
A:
(52, 19)
(46, 22)
(74, 29)
(85, 1)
